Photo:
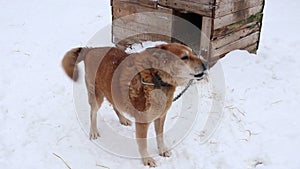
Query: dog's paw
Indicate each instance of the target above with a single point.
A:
(148, 161)
(166, 153)
(94, 134)
(125, 121)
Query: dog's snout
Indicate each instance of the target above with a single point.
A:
(204, 65)
(199, 75)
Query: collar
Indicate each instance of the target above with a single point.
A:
(157, 82)
(161, 83)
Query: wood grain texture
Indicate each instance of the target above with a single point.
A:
(226, 1)
(251, 21)
(205, 45)
(146, 3)
(236, 17)
(133, 23)
(203, 2)
(232, 37)
(226, 24)
(239, 44)
(252, 48)
(139, 38)
(202, 7)
(232, 7)
(139, 27)
(121, 9)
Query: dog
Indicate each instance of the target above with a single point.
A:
(140, 84)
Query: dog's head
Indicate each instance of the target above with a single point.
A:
(176, 64)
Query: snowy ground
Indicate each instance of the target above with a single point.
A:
(260, 128)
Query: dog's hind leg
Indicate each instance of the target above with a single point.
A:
(95, 103)
(94, 132)
(123, 120)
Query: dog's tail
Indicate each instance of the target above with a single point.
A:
(70, 61)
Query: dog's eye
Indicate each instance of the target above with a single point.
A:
(185, 58)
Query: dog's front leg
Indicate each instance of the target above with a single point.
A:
(159, 129)
(141, 136)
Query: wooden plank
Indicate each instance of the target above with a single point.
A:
(139, 27)
(203, 8)
(251, 21)
(220, 33)
(139, 39)
(121, 9)
(203, 2)
(126, 37)
(146, 3)
(226, 1)
(261, 22)
(218, 43)
(120, 32)
(134, 23)
(205, 45)
(252, 48)
(236, 17)
(228, 8)
(142, 21)
(146, 22)
(239, 44)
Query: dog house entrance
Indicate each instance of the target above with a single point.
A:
(186, 29)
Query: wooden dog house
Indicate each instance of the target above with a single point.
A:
(225, 25)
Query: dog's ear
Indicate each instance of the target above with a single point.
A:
(153, 58)
(144, 65)
(163, 47)
(144, 61)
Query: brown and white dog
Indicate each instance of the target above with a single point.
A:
(141, 85)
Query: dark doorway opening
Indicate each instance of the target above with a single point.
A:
(186, 29)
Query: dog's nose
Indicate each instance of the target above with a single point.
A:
(204, 65)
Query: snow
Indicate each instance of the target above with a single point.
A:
(260, 127)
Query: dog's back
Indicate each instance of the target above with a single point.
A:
(100, 65)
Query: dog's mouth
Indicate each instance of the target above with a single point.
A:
(199, 76)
